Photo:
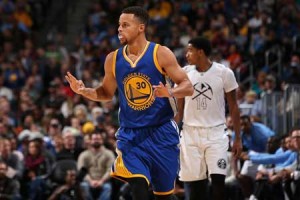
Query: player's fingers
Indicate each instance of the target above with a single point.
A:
(156, 93)
(71, 76)
(156, 86)
(161, 84)
(67, 78)
(70, 80)
(80, 83)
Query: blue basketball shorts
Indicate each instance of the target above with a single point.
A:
(151, 153)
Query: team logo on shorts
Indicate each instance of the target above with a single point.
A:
(222, 163)
(138, 91)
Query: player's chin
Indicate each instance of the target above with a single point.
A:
(123, 41)
(190, 62)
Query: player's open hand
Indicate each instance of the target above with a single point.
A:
(161, 90)
(76, 85)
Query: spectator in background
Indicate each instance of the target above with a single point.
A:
(14, 75)
(262, 189)
(69, 190)
(53, 99)
(58, 144)
(254, 137)
(37, 164)
(234, 58)
(69, 151)
(15, 166)
(22, 16)
(75, 123)
(241, 91)
(252, 106)
(5, 129)
(291, 175)
(96, 113)
(294, 70)
(6, 112)
(259, 84)
(270, 85)
(5, 91)
(217, 56)
(9, 188)
(81, 112)
(98, 161)
(160, 13)
(14, 143)
(54, 129)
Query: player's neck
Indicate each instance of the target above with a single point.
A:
(204, 66)
(137, 47)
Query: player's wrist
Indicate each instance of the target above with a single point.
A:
(170, 92)
(237, 138)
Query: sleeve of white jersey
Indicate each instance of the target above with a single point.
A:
(229, 80)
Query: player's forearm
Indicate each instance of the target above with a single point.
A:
(185, 88)
(89, 93)
(96, 94)
(179, 116)
(235, 115)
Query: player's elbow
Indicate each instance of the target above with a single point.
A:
(107, 97)
(103, 95)
(190, 89)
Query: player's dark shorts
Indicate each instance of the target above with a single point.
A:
(151, 153)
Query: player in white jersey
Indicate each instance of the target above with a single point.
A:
(204, 142)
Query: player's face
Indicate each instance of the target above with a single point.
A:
(192, 54)
(129, 28)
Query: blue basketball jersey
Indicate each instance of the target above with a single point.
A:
(138, 107)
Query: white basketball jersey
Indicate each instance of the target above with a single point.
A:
(206, 107)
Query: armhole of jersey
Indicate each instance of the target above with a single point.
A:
(114, 62)
(158, 67)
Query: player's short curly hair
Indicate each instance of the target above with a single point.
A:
(201, 43)
(138, 12)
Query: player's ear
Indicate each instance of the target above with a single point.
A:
(142, 28)
(200, 52)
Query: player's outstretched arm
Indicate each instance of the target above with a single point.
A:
(168, 62)
(104, 92)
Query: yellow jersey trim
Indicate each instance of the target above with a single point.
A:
(159, 68)
(120, 177)
(114, 62)
(133, 64)
(164, 193)
(120, 170)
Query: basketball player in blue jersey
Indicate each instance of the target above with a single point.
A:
(147, 140)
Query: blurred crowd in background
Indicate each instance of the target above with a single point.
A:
(45, 127)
